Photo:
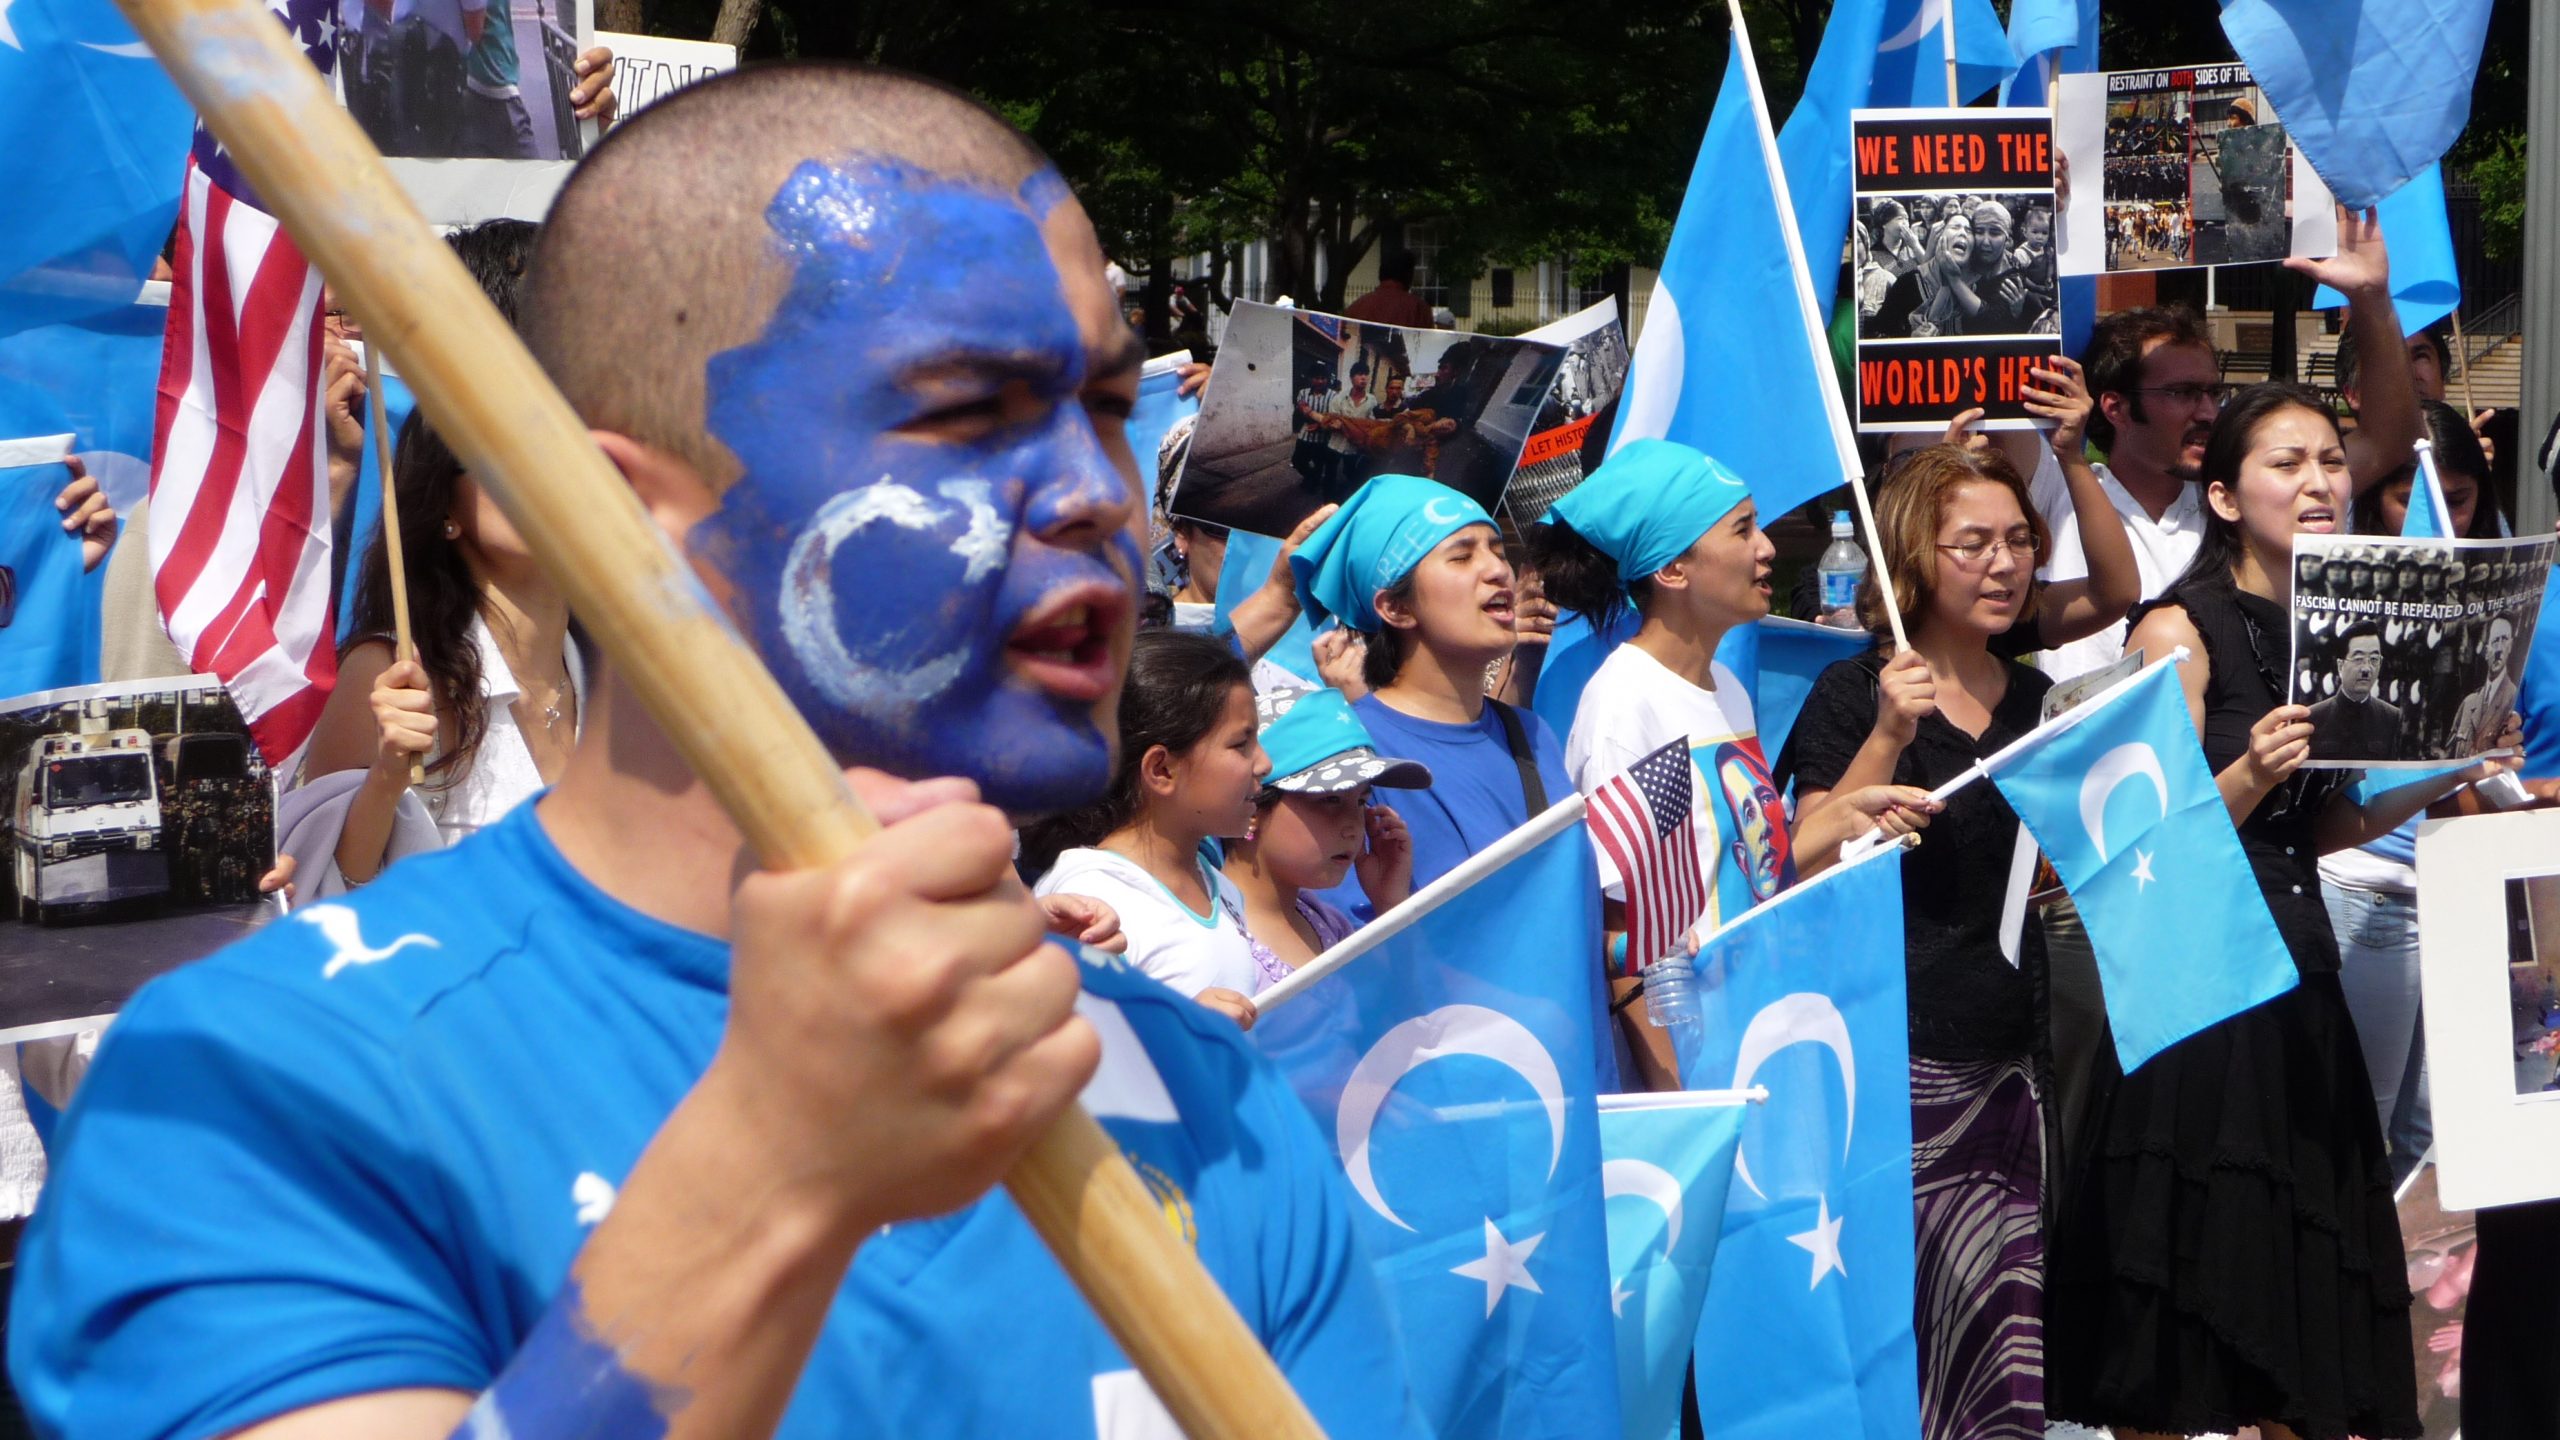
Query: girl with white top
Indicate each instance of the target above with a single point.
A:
(1188, 771)
(489, 707)
(1668, 530)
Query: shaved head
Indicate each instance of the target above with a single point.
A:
(658, 255)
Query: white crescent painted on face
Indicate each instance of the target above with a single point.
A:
(1652, 1182)
(808, 601)
(1431, 512)
(1797, 1019)
(2113, 769)
(1449, 1030)
(1931, 12)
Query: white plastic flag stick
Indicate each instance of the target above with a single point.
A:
(1545, 826)
(1947, 38)
(2050, 730)
(1684, 1099)
(2433, 479)
(1817, 333)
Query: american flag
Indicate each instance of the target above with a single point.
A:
(240, 469)
(1646, 821)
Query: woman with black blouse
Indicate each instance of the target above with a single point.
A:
(2231, 1255)
(1960, 539)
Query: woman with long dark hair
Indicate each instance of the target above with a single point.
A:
(489, 707)
(2233, 1256)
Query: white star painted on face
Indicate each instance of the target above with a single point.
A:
(1823, 1242)
(2142, 871)
(1503, 1266)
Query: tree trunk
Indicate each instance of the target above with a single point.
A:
(738, 20)
(622, 16)
(1159, 327)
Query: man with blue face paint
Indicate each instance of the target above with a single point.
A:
(583, 1127)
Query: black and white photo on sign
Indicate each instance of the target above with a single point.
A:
(2182, 167)
(2409, 652)
(139, 820)
(1572, 434)
(1302, 408)
(2489, 978)
(1935, 265)
(469, 99)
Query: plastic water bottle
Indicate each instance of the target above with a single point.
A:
(1671, 994)
(1843, 565)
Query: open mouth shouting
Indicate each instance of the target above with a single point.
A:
(2319, 519)
(1500, 608)
(1063, 647)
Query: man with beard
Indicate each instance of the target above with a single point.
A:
(2158, 385)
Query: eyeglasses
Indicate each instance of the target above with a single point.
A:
(1977, 551)
(2188, 395)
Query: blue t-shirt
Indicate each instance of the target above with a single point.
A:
(2538, 692)
(360, 1153)
(1474, 798)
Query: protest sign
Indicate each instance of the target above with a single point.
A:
(469, 100)
(1952, 246)
(648, 68)
(2408, 651)
(139, 818)
(2489, 981)
(2182, 167)
(1301, 408)
(1579, 412)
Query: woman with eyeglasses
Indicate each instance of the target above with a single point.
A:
(1960, 540)
(2231, 1255)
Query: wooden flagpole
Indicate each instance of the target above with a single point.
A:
(263, 99)
(403, 647)
(1947, 41)
(1817, 334)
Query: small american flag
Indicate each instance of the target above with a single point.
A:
(1646, 821)
(239, 471)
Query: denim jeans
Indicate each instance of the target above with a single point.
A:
(2378, 951)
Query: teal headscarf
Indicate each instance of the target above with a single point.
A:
(1648, 503)
(1375, 540)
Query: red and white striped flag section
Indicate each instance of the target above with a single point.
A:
(239, 466)
(1646, 821)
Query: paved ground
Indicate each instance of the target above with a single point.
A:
(74, 970)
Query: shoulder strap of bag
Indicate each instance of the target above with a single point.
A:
(1516, 736)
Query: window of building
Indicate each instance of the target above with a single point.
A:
(1501, 284)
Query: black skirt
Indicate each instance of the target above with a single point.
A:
(2231, 1254)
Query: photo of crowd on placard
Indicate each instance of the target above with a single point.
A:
(1573, 428)
(2533, 981)
(2195, 176)
(1303, 408)
(2409, 651)
(463, 79)
(1932, 266)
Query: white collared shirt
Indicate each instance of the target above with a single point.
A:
(501, 774)
(2161, 550)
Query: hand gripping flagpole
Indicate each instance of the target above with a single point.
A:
(1817, 335)
(264, 100)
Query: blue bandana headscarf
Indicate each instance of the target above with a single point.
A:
(1375, 540)
(1648, 504)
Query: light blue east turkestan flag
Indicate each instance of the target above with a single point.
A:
(1248, 564)
(2425, 283)
(2062, 37)
(1720, 362)
(2372, 91)
(1806, 1329)
(1454, 1068)
(2424, 521)
(1665, 1163)
(96, 156)
(364, 502)
(92, 378)
(1160, 406)
(2122, 801)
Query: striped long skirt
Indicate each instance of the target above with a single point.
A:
(1977, 1185)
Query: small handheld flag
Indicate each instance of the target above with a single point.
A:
(1646, 822)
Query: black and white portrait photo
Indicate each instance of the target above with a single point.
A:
(2408, 652)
